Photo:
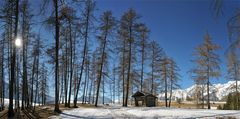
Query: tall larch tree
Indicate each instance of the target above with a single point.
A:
(122, 62)
(87, 19)
(26, 18)
(164, 70)
(156, 54)
(107, 23)
(13, 58)
(208, 62)
(57, 36)
(7, 16)
(197, 74)
(143, 43)
(128, 26)
(174, 77)
(2, 81)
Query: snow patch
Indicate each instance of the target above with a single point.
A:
(144, 112)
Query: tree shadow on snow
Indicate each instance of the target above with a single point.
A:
(228, 115)
(71, 116)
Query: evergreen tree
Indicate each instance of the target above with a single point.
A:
(232, 103)
(233, 69)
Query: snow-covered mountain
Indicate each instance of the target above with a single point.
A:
(217, 91)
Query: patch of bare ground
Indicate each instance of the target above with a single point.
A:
(41, 112)
(189, 105)
(226, 118)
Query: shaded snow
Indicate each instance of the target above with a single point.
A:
(145, 112)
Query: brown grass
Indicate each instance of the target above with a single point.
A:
(187, 105)
(46, 111)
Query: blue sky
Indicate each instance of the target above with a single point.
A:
(179, 26)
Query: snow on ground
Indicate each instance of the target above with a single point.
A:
(144, 113)
(6, 103)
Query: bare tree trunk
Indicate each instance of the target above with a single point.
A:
(129, 68)
(87, 82)
(33, 73)
(13, 63)
(84, 55)
(123, 73)
(65, 78)
(236, 80)
(36, 91)
(81, 72)
(119, 91)
(2, 75)
(18, 70)
(208, 84)
(171, 88)
(71, 64)
(208, 96)
(94, 88)
(15, 85)
(56, 109)
(152, 71)
(152, 86)
(84, 89)
(142, 63)
(90, 91)
(114, 84)
(25, 98)
(165, 80)
(62, 85)
(101, 64)
(111, 92)
(103, 90)
(202, 96)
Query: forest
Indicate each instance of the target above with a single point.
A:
(60, 53)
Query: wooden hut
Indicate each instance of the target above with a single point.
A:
(144, 99)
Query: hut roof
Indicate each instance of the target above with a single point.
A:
(139, 94)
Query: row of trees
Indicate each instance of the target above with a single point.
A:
(128, 37)
(21, 52)
(122, 57)
(207, 61)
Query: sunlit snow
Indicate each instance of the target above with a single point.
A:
(145, 112)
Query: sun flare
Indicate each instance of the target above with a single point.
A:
(18, 42)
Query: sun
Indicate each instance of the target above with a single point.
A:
(18, 42)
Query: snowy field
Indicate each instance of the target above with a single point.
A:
(145, 113)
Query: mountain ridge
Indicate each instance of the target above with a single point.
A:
(217, 91)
